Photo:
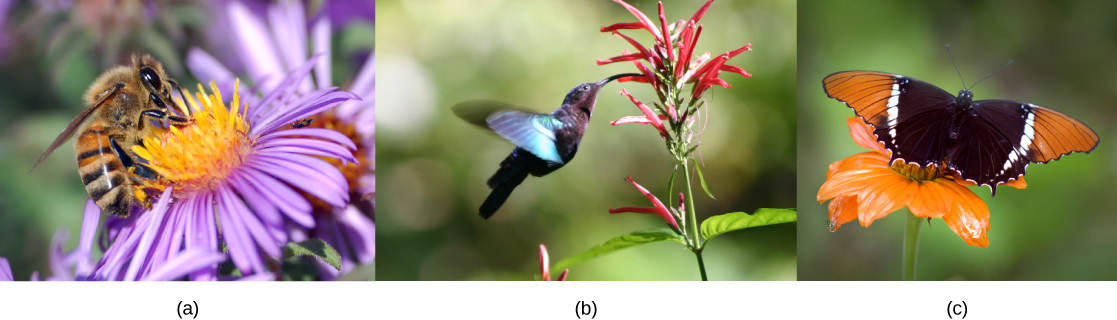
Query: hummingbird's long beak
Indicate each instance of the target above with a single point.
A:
(609, 79)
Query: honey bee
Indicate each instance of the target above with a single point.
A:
(124, 104)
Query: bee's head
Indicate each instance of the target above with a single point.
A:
(151, 74)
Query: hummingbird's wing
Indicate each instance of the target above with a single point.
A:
(533, 131)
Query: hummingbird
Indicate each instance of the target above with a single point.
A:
(544, 142)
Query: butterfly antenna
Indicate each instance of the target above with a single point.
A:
(998, 71)
(955, 66)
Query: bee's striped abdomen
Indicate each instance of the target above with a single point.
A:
(105, 177)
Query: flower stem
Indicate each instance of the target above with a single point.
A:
(691, 221)
(911, 246)
(701, 265)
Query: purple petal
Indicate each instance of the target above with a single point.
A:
(155, 219)
(364, 84)
(5, 270)
(326, 134)
(334, 235)
(260, 204)
(311, 147)
(202, 233)
(288, 26)
(263, 276)
(285, 103)
(57, 258)
(363, 236)
(185, 263)
(320, 104)
(366, 122)
(260, 235)
(181, 217)
(255, 47)
(321, 37)
(321, 168)
(285, 87)
(90, 220)
(297, 176)
(205, 67)
(287, 200)
(239, 243)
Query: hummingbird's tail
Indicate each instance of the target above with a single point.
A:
(512, 172)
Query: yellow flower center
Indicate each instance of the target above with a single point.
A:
(915, 172)
(198, 157)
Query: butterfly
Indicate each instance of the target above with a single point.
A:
(987, 142)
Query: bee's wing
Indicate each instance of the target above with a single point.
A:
(69, 132)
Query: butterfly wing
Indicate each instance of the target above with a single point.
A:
(911, 117)
(1000, 138)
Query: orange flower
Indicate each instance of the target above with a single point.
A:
(865, 187)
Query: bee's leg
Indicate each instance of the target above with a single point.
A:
(125, 156)
(164, 115)
(144, 172)
(175, 84)
(139, 169)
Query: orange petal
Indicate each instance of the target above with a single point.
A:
(842, 209)
(864, 160)
(850, 182)
(863, 135)
(968, 217)
(932, 199)
(886, 193)
(1019, 184)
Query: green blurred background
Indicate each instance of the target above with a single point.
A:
(50, 51)
(433, 166)
(1061, 226)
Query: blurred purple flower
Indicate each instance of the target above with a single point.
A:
(344, 12)
(5, 5)
(5, 270)
(268, 52)
(242, 167)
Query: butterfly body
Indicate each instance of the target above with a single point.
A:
(987, 142)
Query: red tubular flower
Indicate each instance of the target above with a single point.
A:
(658, 208)
(545, 265)
(672, 57)
(651, 116)
(644, 21)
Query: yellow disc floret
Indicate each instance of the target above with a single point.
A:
(200, 156)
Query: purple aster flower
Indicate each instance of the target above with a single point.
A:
(268, 52)
(240, 166)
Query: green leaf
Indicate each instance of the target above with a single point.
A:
(702, 179)
(625, 241)
(316, 248)
(719, 224)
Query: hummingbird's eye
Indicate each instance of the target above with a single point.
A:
(586, 88)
